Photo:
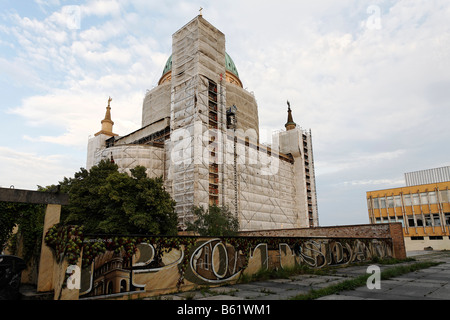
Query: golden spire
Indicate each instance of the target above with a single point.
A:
(107, 123)
(108, 111)
(290, 124)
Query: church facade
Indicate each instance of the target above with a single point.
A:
(200, 132)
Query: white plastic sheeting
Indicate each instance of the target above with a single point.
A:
(263, 201)
(156, 104)
(247, 108)
(130, 156)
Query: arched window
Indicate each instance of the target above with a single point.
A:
(123, 285)
(109, 289)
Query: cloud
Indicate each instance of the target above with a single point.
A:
(352, 161)
(384, 183)
(102, 8)
(76, 75)
(376, 99)
(78, 114)
(44, 4)
(23, 169)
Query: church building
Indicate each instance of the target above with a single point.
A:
(200, 132)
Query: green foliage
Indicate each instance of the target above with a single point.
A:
(9, 217)
(66, 241)
(217, 221)
(104, 200)
(30, 220)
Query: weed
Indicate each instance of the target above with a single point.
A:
(360, 281)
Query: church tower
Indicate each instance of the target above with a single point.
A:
(107, 123)
(98, 142)
(298, 143)
(197, 116)
(290, 124)
(200, 133)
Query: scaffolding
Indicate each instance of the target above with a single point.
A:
(129, 156)
(210, 157)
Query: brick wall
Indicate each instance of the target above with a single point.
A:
(398, 240)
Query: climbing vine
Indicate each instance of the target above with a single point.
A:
(67, 242)
(70, 243)
(30, 220)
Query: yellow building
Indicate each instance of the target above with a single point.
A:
(423, 209)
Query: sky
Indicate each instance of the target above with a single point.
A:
(370, 78)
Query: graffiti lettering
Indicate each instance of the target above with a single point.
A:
(215, 262)
(219, 261)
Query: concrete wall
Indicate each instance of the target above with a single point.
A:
(164, 265)
(441, 244)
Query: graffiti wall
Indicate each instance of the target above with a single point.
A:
(115, 266)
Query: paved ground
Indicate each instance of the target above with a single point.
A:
(426, 284)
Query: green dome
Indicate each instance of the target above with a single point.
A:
(168, 66)
(229, 64)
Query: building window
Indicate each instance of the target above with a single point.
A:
(377, 220)
(415, 198)
(433, 198)
(407, 199)
(375, 203)
(400, 219)
(444, 196)
(382, 203)
(436, 238)
(423, 198)
(437, 220)
(411, 221)
(428, 220)
(123, 286)
(110, 288)
(390, 202)
(447, 219)
(419, 221)
(416, 238)
(398, 201)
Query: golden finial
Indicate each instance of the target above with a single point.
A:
(201, 14)
(107, 123)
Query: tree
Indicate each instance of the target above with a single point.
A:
(104, 200)
(216, 221)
